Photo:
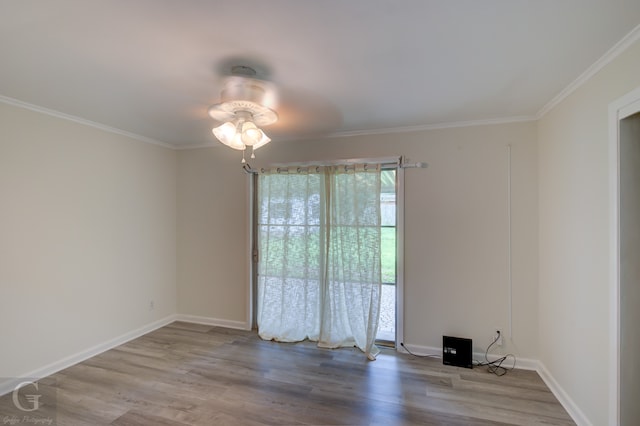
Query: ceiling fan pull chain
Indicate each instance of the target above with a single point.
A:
(243, 160)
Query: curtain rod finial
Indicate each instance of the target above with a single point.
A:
(247, 168)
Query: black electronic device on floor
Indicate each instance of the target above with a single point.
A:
(457, 351)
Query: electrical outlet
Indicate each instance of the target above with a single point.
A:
(497, 337)
(151, 305)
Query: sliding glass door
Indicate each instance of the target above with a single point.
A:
(289, 215)
(388, 244)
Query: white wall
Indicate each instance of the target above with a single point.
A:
(87, 238)
(574, 236)
(456, 229)
(212, 236)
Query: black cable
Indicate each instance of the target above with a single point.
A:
(419, 356)
(495, 366)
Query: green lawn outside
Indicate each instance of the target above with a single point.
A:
(302, 256)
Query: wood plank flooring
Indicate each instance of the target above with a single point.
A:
(187, 374)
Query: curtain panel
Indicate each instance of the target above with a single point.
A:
(319, 274)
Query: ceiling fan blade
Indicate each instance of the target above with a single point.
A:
(303, 113)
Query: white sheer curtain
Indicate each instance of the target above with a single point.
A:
(290, 265)
(319, 241)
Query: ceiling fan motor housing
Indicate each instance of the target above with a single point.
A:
(256, 97)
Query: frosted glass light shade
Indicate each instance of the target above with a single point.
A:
(241, 133)
(251, 135)
(264, 139)
(226, 133)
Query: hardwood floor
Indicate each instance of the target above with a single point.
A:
(187, 374)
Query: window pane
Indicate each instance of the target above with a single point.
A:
(387, 324)
(388, 198)
(388, 255)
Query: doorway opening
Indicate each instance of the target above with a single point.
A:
(624, 384)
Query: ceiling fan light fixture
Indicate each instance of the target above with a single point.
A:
(262, 142)
(251, 135)
(227, 134)
(246, 104)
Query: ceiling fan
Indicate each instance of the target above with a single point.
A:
(247, 103)
(250, 100)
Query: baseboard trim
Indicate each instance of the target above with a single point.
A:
(521, 363)
(572, 408)
(524, 364)
(195, 319)
(9, 385)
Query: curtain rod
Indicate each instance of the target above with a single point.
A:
(401, 162)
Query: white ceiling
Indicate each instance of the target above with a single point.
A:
(152, 67)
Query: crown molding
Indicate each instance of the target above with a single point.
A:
(632, 37)
(435, 126)
(389, 130)
(213, 144)
(626, 42)
(25, 105)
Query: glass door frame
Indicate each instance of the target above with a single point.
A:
(253, 254)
